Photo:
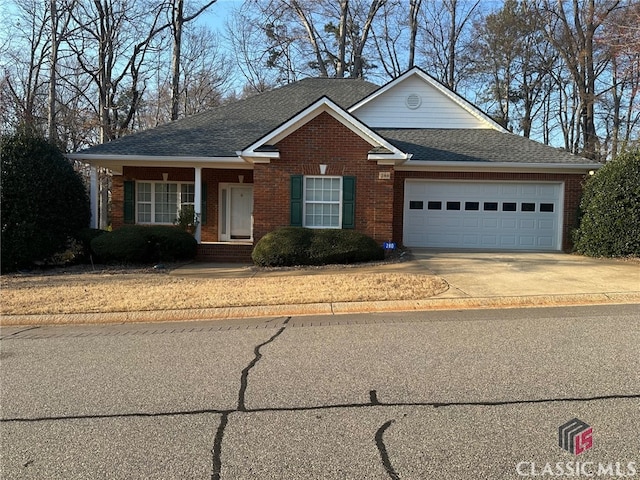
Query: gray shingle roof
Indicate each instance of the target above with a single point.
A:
(481, 145)
(222, 131)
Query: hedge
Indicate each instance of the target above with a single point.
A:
(289, 246)
(610, 210)
(43, 199)
(144, 244)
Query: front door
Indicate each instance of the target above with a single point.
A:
(236, 212)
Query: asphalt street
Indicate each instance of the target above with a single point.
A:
(420, 395)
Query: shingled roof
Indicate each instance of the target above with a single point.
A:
(225, 130)
(222, 131)
(478, 145)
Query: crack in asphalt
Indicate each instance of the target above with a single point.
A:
(384, 455)
(216, 451)
(245, 372)
(313, 408)
(26, 329)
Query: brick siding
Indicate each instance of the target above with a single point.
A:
(224, 252)
(323, 141)
(212, 177)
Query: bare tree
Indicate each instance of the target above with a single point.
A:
(109, 54)
(338, 49)
(621, 38)
(571, 28)
(387, 35)
(24, 65)
(414, 10)
(513, 54)
(445, 36)
(178, 20)
(247, 42)
(359, 41)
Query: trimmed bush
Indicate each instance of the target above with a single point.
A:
(85, 237)
(289, 246)
(610, 210)
(43, 199)
(144, 244)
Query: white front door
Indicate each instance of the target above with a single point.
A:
(236, 212)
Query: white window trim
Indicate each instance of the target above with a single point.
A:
(304, 201)
(179, 202)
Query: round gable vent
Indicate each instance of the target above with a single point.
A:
(413, 101)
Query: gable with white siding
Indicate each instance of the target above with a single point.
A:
(416, 100)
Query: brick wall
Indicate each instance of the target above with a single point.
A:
(323, 141)
(151, 174)
(572, 194)
(213, 179)
(224, 252)
(209, 230)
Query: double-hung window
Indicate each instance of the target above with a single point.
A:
(161, 202)
(322, 202)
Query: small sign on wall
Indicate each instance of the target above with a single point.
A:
(384, 175)
(389, 245)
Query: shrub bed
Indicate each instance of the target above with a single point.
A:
(43, 200)
(144, 244)
(610, 210)
(289, 246)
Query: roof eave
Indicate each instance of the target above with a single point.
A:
(443, 166)
(117, 162)
(389, 159)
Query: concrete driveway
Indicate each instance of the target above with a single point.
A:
(488, 274)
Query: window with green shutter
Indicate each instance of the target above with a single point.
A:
(323, 201)
(129, 202)
(348, 202)
(203, 204)
(296, 200)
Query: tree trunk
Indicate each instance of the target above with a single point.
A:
(177, 21)
(342, 38)
(51, 107)
(452, 46)
(358, 63)
(307, 22)
(414, 8)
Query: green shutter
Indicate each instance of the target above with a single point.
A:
(348, 202)
(296, 200)
(129, 202)
(203, 204)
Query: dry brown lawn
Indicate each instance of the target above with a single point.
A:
(102, 292)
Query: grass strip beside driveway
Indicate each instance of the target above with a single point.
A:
(129, 292)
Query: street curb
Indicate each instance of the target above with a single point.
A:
(324, 309)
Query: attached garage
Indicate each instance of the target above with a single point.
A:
(483, 215)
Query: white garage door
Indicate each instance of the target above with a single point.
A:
(483, 215)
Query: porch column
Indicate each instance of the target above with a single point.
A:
(197, 200)
(93, 196)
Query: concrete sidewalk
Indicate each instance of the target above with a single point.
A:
(476, 280)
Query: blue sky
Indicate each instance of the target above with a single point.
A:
(216, 15)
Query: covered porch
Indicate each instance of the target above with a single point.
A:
(219, 192)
